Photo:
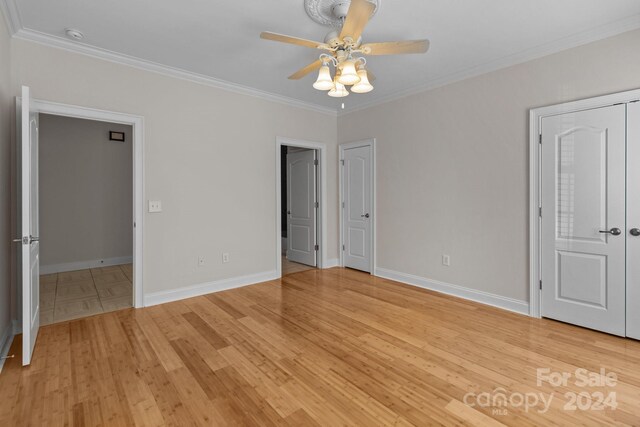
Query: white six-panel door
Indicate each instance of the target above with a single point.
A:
(583, 221)
(633, 220)
(30, 259)
(301, 207)
(358, 207)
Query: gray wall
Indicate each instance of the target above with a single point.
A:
(6, 105)
(452, 164)
(86, 191)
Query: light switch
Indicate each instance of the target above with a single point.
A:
(155, 206)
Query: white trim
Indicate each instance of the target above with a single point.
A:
(321, 149)
(510, 304)
(535, 120)
(331, 263)
(374, 217)
(82, 265)
(5, 343)
(154, 67)
(137, 123)
(180, 293)
(11, 15)
(599, 33)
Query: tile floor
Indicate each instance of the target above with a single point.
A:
(82, 293)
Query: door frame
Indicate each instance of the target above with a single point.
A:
(321, 223)
(535, 175)
(371, 142)
(137, 123)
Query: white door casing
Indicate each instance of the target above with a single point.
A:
(583, 197)
(357, 208)
(633, 220)
(302, 207)
(30, 258)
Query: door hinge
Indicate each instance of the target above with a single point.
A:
(540, 284)
(342, 162)
(342, 205)
(540, 139)
(315, 162)
(316, 247)
(317, 205)
(540, 211)
(343, 247)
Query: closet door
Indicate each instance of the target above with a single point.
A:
(583, 221)
(633, 220)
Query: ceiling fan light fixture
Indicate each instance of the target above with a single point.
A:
(339, 91)
(348, 75)
(324, 81)
(363, 86)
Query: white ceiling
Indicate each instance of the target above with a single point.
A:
(220, 38)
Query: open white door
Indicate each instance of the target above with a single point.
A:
(30, 272)
(301, 207)
(583, 218)
(357, 208)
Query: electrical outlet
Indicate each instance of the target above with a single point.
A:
(155, 206)
(446, 260)
(200, 260)
(225, 257)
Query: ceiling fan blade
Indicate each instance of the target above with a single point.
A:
(291, 40)
(357, 18)
(306, 70)
(395, 48)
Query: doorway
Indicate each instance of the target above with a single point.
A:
(27, 203)
(85, 217)
(357, 213)
(300, 205)
(588, 214)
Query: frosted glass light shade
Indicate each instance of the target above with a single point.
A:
(324, 81)
(339, 91)
(363, 86)
(348, 75)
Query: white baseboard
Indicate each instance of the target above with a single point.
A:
(81, 265)
(5, 343)
(334, 262)
(517, 306)
(207, 288)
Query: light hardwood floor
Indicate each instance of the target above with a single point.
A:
(333, 347)
(290, 267)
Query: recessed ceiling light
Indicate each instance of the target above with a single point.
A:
(74, 34)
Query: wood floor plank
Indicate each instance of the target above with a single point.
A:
(315, 348)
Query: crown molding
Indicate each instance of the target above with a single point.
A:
(107, 55)
(14, 24)
(579, 39)
(11, 16)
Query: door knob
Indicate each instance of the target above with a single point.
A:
(614, 231)
(365, 215)
(635, 232)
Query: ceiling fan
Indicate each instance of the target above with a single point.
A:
(342, 50)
